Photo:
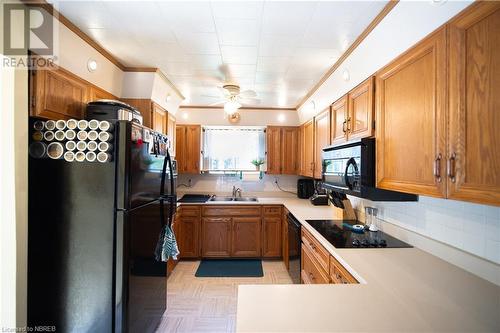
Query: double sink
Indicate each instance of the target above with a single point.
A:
(245, 199)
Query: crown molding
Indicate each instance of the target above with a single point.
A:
(251, 108)
(61, 18)
(380, 16)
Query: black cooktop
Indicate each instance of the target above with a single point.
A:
(340, 235)
(194, 198)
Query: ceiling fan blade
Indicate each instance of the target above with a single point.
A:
(249, 101)
(217, 103)
(224, 92)
(212, 96)
(248, 94)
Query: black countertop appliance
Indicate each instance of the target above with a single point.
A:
(92, 232)
(305, 188)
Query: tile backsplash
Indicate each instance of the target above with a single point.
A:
(470, 227)
(218, 183)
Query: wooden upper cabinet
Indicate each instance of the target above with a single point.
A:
(96, 94)
(321, 139)
(216, 237)
(411, 119)
(246, 237)
(273, 154)
(474, 105)
(339, 122)
(57, 94)
(171, 132)
(188, 148)
(361, 111)
(159, 117)
(282, 150)
(289, 150)
(193, 146)
(301, 150)
(308, 151)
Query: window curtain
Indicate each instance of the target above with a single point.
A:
(232, 148)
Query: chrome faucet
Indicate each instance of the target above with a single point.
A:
(236, 191)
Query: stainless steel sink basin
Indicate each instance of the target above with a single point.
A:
(221, 199)
(253, 199)
(246, 199)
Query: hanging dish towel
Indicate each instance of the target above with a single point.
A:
(170, 248)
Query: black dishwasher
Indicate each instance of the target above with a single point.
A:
(294, 244)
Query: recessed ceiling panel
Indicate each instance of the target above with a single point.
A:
(279, 49)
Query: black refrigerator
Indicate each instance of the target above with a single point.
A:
(93, 228)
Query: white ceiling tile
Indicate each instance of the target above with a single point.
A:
(188, 16)
(273, 64)
(237, 70)
(237, 9)
(280, 49)
(238, 32)
(198, 43)
(242, 55)
(287, 18)
(277, 46)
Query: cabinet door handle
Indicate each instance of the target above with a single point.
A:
(344, 126)
(451, 167)
(437, 168)
(312, 166)
(348, 122)
(311, 276)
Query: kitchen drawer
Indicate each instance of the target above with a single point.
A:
(231, 210)
(339, 274)
(311, 272)
(192, 211)
(318, 251)
(272, 210)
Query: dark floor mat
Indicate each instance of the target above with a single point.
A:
(230, 268)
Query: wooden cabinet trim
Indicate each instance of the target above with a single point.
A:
(245, 210)
(318, 251)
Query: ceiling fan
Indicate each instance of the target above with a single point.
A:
(231, 95)
(233, 98)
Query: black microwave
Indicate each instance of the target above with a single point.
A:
(350, 169)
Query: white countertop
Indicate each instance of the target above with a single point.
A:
(400, 290)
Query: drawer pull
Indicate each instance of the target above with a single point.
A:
(437, 168)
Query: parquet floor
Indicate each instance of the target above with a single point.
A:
(209, 304)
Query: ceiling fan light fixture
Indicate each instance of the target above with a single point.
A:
(231, 107)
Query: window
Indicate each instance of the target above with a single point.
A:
(233, 148)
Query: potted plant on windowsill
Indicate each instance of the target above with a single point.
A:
(258, 162)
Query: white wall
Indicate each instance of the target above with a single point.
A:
(13, 196)
(404, 26)
(215, 117)
(73, 54)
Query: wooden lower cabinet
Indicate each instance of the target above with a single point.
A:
(271, 237)
(189, 232)
(216, 237)
(338, 274)
(245, 240)
(311, 272)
